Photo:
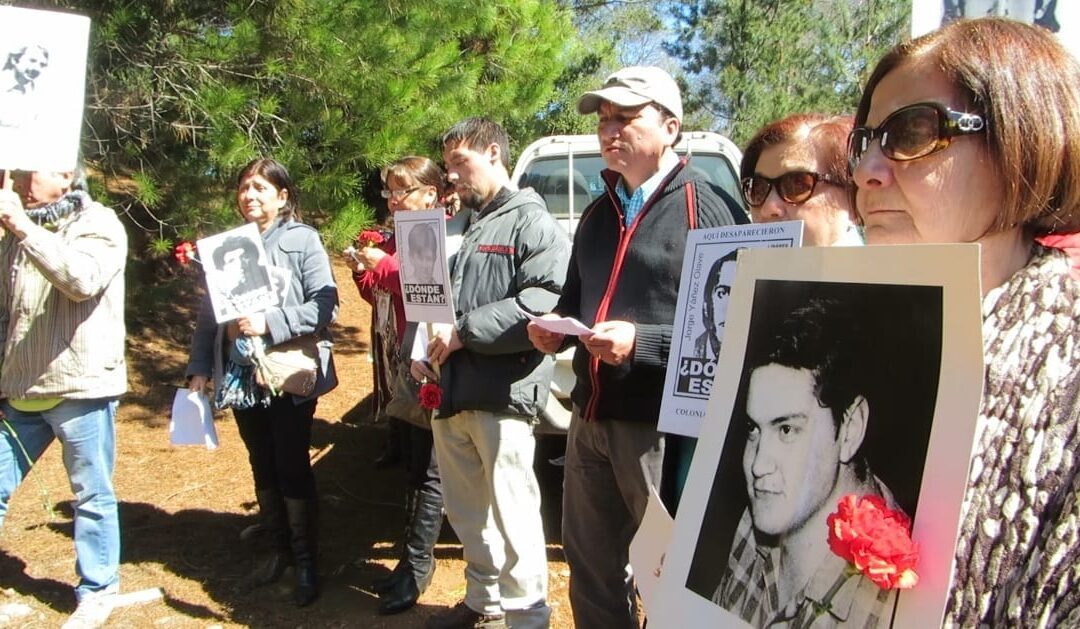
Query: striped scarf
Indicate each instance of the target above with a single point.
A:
(49, 214)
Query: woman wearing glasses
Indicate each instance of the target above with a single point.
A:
(410, 183)
(796, 169)
(972, 134)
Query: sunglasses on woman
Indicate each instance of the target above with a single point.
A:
(793, 187)
(914, 131)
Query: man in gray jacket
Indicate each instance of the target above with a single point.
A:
(494, 383)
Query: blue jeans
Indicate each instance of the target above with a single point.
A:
(86, 432)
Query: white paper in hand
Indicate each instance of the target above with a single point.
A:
(563, 325)
(192, 422)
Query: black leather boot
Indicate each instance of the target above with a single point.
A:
(275, 525)
(303, 540)
(385, 583)
(418, 558)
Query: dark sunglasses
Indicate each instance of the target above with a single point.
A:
(914, 131)
(793, 187)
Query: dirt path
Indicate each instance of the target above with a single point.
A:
(182, 510)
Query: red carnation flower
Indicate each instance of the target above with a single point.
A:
(876, 540)
(430, 395)
(185, 253)
(369, 238)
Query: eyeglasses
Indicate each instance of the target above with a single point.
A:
(793, 187)
(914, 131)
(398, 194)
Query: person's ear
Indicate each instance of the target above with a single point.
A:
(494, 153)
(283, 195)
(672, 126)
(68, 178)
(853, 428)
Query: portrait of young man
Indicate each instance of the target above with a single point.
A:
(714, 301)
(813, 415)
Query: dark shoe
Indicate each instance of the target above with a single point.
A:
(303, 541)
(274, 523)
(461, 616)
(417, 564)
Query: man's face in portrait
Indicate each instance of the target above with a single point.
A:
(232, 266)
(719, 298)
(792, 454)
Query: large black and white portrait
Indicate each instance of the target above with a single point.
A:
(42, 77)
(836, 397)
(844, 371)
(237, 273)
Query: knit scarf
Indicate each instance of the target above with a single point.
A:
(65, 205)
(1020, 526)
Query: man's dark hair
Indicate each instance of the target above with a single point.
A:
(250, 251)
(823, 337)
(478, 134)
(712, 280)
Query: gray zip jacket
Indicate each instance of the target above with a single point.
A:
(513, 255)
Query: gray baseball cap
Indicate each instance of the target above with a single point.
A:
(634, 86)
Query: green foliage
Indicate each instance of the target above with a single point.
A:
(183, 93)
(755, 61)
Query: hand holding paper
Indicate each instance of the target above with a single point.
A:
(559, 325)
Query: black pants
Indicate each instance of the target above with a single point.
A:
(421, 468)
(278, 438)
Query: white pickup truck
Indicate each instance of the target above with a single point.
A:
(565, 170)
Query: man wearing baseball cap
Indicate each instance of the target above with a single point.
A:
(623, 281)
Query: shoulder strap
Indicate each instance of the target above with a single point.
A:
(691, 205)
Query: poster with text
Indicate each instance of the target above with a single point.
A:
(1059, 17)
(707, 275)
(425, 274)
(844, 370)
(42, 87)
(237, 273)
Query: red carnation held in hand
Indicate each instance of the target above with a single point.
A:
(876, 540)
(185, 253)
(369, 238)
(430, 395)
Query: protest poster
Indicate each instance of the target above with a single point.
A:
(1060, 18)
(425, 274)
(42, 88)
(708, 271)
(237, 273)
(844, 370)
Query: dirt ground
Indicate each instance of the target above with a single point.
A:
(182, 508)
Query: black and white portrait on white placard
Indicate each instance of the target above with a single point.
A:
(42, 78)
(708, 270)
(845, 371)
(838, 379)
(237, 273)
(421, 251)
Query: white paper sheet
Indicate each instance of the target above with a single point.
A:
(563, 325)
(648, 546)
(192, 422)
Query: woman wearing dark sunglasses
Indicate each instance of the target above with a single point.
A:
(795, 168)
(972, 134)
